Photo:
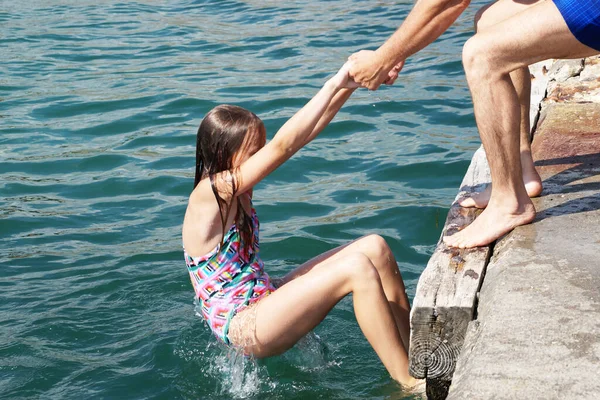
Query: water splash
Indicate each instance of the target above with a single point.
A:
(310, 354)
(240, 376)
(228, 371)
(235, 375)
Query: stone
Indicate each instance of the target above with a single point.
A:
(562, 70)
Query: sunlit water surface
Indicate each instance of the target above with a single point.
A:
(99, 103)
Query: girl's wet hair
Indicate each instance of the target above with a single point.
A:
(223, 132)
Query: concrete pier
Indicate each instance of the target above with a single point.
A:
(527, 325)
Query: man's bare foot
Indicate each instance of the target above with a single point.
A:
(491, 224)
(532, 180)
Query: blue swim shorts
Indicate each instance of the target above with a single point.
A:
(583, 19)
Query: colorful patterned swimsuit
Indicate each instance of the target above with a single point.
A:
(224, 283)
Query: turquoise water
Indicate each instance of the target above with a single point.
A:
(99, 103)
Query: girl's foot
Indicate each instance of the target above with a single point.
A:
(416, 388)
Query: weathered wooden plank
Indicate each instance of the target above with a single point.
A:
(447, 290)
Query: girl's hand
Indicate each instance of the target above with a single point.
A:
(342, 79)
(393, 74)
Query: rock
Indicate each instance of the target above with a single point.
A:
(562, 70)
(591, 71)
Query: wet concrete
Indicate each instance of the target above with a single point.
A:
(537, 332)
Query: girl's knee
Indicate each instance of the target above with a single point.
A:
(376, 248)
(360, 269)
(377, 243)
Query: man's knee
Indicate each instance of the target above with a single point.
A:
(477, 58)
(484, 19)
(474, 50)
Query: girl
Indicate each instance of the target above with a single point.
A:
(220, 236)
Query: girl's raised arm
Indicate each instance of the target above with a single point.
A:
(304, 126)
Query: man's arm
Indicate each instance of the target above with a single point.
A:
(425, 23)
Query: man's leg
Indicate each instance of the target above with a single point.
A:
(485, 18)
(537, 33)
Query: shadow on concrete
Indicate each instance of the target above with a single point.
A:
(582, 169)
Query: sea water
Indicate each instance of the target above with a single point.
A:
(99, 105)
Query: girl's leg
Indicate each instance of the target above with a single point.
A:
(375, 248)
(292, 311)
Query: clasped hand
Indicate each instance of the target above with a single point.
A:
(368, 71)
(363, 69)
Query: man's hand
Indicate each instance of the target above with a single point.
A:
(368, 71)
